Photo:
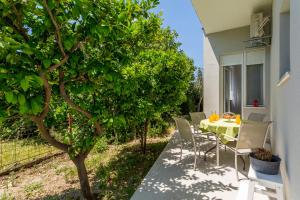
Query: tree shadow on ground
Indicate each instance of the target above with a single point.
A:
(119, 178)
(69, 194)
(124, 173)
(175, 179)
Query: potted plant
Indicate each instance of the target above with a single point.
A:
(263, 161)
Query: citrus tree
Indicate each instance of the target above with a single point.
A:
(153, 83)
(56, 57)
(162, 79)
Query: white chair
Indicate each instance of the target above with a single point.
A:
(257, 117)
(186, 136)
(251, 135)
(196, 118)
(268, 182)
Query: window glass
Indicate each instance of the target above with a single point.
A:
(255, 85)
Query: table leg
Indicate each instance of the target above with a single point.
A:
(279, 192)
(251, 190)
(209, 150)
(218, 151)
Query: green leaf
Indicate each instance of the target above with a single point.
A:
(51, 4)
(28, 51)
(1, 45)
(3, 115)
(122, 16)
(35, 107)
(47, 63)
(103, 30)
(24, 108)
(9, 96)
(109, 77)
(38, 80)
(9, 29)
(56, 61)
(21, 99)
(10, 59)
(68, 43)
(25, 83)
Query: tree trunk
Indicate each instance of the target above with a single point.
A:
(83, 177)
(134, 132)
(141, 139)
(145, 135)
(199, 104)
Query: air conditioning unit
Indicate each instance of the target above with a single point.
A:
(258, 22)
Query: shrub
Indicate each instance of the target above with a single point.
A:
(101, 145)
(263, 154)
(159, 126)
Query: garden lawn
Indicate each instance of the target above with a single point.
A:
(114, 174)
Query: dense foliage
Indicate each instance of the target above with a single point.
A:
(194, 101)
(76, 68)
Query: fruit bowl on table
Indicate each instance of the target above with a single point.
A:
(229, 116)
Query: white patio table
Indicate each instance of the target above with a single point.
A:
(224, 129)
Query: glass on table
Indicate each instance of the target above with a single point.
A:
(214, 117)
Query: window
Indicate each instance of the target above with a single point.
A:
(284, 40)
(255, 85)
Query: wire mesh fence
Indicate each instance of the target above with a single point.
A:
(21, 145)
(17, 152)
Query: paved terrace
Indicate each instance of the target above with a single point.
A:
(170, 179)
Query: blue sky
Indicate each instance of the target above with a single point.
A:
(180, 16)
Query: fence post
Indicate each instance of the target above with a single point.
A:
(1, 154)
(15, 151)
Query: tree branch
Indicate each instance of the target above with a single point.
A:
(47, 136)
(57, 28)
(62, 62)
(65, 59)
(79, 78)
(19, 25)
(19, 30)
(47, 89)
(78, 45)
(39, 120)
(73, 105)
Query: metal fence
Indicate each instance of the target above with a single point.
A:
(15, 153)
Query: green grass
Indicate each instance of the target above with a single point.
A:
(118, 171)
(18, 152)
(114, 173)
(6, 196)
(119, 177)
(69, 173)
(33, 188)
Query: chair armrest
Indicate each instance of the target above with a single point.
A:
(230, 138)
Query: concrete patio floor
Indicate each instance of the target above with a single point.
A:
(171, 179)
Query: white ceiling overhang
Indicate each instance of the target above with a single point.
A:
(221, 15)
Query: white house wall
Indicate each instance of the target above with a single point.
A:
(229, 43)
(215, 45)
(285, 100)
(210, 80)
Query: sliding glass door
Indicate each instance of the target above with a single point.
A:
(233, 88)
(243, 80)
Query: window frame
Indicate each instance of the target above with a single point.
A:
(261, 51)
(284, 68)
(262, 84)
